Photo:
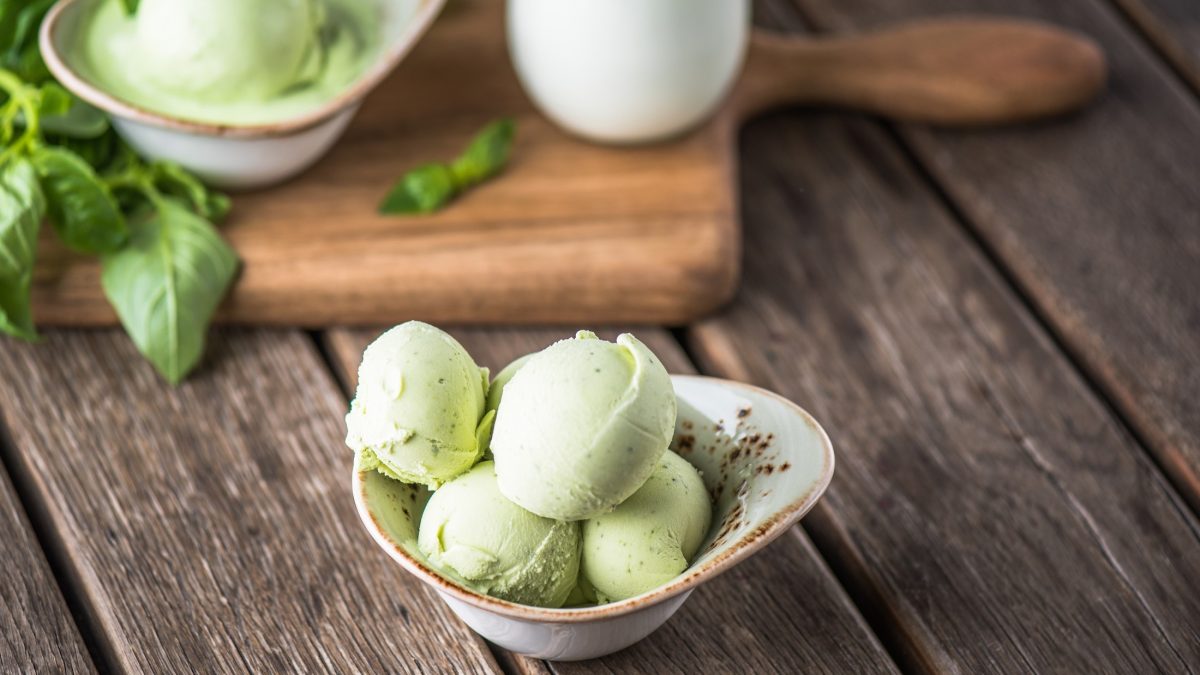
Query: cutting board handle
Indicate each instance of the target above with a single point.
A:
(957, 71)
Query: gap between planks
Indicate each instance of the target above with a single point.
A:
(41, 612)
(1156, 23)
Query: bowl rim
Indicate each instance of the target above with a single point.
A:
(774, 527)
(427, 11)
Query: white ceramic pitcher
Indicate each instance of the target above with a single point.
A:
(628, 71)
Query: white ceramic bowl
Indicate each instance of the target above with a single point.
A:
(765, 460)
(236, 156)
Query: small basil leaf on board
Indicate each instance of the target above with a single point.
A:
(422, 190)
(166, 283)
(21, 209)
(428, 188)
(80, 206)
(486, 155)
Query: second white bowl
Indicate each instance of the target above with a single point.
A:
(235, 156)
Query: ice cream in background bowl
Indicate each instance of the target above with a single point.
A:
(243, 93)
(742, 466)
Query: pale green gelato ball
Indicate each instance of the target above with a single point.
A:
(649, 539)
(472, 532)
(496, 391)
(224, 49)
(416, 416)
(581, 426)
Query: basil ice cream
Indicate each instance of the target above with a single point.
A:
(418, 412)
(651, 537)
(581, 426)
(228, 61)
(471, 531)
(580, 500)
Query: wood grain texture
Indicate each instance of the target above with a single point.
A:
(1173, 27)
(37, 634)
(573, 231)
(1096, 217)
(209, 528)
(780, 611)
(987, 508)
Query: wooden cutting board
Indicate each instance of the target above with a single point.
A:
(571, 232)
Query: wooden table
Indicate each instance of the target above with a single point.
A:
(1000, 329)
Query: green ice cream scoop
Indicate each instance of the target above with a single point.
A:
(416, 415)
(215, 50)
(472, 532)
(649, 539)
(581, 426)
(228, 61)
(496, 391)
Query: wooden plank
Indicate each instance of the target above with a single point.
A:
(1173, 27)
(1096, 217)
(210, 526)
(37, 634)
(780, 611)
(986, 503)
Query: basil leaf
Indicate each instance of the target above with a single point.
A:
(486, 155)
(8, 24)
(98, 152)
(81, 207)
(130, 6)
(428, 188)
(22, 54)
(54, 101)
(166, 283)
(217, 206)
(76, 119)
(172, 179)
(21, 208)
(423, 190)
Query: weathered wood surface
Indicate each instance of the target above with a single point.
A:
(780, 611)
(1173, 27)
(37, 634)
(988, 512)
(209, 528)
(1096, 217)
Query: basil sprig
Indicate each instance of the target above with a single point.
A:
(166, 283)
(428, 188)
(21, 209)
(164, 266)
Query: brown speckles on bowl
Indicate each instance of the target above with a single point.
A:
(685, 444)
